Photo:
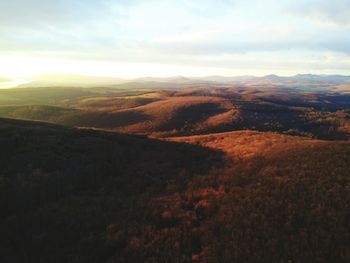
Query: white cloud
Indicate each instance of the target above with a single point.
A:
(222, 34)
(336, 12)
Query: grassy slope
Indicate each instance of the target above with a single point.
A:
(59, 96)
(127, 114)
(44, 96)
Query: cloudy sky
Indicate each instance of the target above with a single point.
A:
(131, 38)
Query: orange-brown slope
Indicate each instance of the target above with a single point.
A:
(247, 143)
(278, 198)
(176, 113)
(134, 114)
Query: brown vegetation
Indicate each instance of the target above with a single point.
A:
(240, 196)
(211, 174)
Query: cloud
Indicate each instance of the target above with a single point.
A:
(335, 11)
(60, 25)
(38, 14)
(254, 38)
(177, 31)
(19, 13)
(210, 8)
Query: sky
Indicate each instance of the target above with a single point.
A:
(136, 38)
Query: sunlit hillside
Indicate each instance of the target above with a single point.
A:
(162, 112)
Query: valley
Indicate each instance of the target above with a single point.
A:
(204, 172)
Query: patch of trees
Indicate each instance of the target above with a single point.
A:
(82, 196)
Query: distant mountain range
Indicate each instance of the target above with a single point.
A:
(86, 81)
(333, 79)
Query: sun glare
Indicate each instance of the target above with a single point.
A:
(25, 67)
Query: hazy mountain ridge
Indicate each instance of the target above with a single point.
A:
(92, 81)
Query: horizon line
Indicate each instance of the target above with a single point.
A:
(11, 78)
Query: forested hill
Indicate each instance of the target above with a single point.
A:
(60, 187)
(77, 195)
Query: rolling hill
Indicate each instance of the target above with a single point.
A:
(277, 199)
(140, 114)
(61, 187)
(190, 110)
(211, 174)
(72, 195)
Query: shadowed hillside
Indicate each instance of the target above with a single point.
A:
(70, 195)
(61, 187)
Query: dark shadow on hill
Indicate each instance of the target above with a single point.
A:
(105, 120)
(188, 116)
(61, 186)
(74, 117)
